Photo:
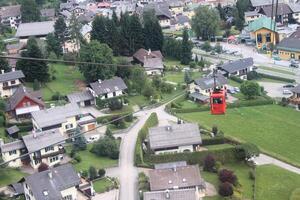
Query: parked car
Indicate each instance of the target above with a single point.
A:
(294, 65)
(236, 89)
(287, 92)
(289, 86)
(93, 138)
(213, 53)
(231, 91)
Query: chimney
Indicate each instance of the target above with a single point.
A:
(13, 69)
(167, 194)
(50, 174)
(149, 52)
(99, 81)
(2, 71)
(34, 134)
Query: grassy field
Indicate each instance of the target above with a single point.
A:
(277, 70)
(9, 175)
(241, 171)
(90, 159)
(273, 128)
(217, 146)
(101, 185)
(274, 183)
(178, 77)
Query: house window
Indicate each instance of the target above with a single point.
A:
(259, 38)
(12, 152)
(51, 148)
(5, 84)
(292, 55)
(53, 159)
(13, 82)
(268, 37)
(27, 197)
(68, 126)
(114, 94)
(36, 162)
(68, 197)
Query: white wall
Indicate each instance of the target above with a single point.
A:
(70, 191)
(16, 163)
(177, 150)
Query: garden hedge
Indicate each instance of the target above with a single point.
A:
(278, 78)
(24, 126)
(236, 79)
(213, 141)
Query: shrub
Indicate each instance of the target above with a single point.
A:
(85, 174)
(101, 173)
(252, 174)
(72, 153)
(115, 104)
(253, 75)
(80, 143)
(209, 163)
(250, 89)
(284, 102)
(108, 133)
(226, 175)
(214, 130)
(277, 78)
(218, 166)
(36, 85)
(92, 173)
(77, 158)
(236, 79)
(246, 151)
(57, 96)
(129, 118)
(225, 189)
(106, 147)
(43, 167)
(193, 65)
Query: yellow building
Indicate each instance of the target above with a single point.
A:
(289, 48)
(262, 30)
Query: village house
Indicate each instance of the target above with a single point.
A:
(34, 29)
(150, 60)
(13, 49)
(23, 102)
(9, 82)
(43, 147)
(48, 14)
(162, 12)
(11, 15)
(82, 99)
(175, 180)
(239, 68)
(250, 16)
(176, 6)
(295, 7)
(294, 100)
(262, 31)
(175, 138)
(257, 4)
(289, 48)
(107, 89)
(199, 89)
(61, 182)
(284, 13)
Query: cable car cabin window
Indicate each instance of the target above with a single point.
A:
(217, 100)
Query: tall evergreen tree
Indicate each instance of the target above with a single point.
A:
(99, 32)
(115, 18)
(186, 48)
(74, 29)
(60, 29)
(4, 64)
(152, 31)
(113, 36)
(136, 34)
(30, 11)
(53, 45)
(125, 34)
(33, 69)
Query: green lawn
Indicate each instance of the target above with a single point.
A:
(170, 62)
(277, 70)
(125, 109)
(9, 175)
(66, 76)
(273, 128)
(218, 146)
(178, 77)
(241, 170)
(274, 183)
(90, 159)
(189, 104)
(101, 185)
(139, 100)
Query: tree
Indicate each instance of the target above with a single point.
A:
(125, 34)
(92, 173)
(80, 143)
(218, 48)
(187, 77)
(241, 7)
(172, 48)
(99, 32)
(206, 46)
(123, 72)
(209, 163)
(4, 64)
(60, 29)
(30, 11)
(101, 173)
(221, 12)
(106, 147)
(74, 29)
(53, 45)
(115, 18)
(186, 48)
(138, 80)
(205, 22)
(226, 175)
(246, 151)
(43, 167)
(136, 34)
(152, 31)
(115, 104)
(33, 69)
(108, 133)
(225, 189)
(148, 91)
(113, 36)
(99, 53)
(250, 89)
(36, 85)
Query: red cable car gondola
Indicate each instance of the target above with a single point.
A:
(217, 99)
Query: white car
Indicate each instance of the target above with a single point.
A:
(287, 92)
(93, 138)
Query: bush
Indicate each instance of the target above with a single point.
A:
(36, 85)
(277, 78)
(80, 143)
(85, 174)
(115, 104)
(77, 158)
(57, 96)
(284, 102)
(92, 173)
(209, 163)
(226, 175)
(225, 189)
(107, 146)
(252, 174)
(43, 167)
(253, 75)
(101, 173)
(214, 130)
(236, 79)
(129, 118)
(69, 56)
(193, 65)
(214, 140)
(72, 153)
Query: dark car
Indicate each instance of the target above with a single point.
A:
(288, 86)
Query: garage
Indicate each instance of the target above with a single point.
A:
(91, 127)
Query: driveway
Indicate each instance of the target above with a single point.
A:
(274, 89)
(92, 110)
(111, 195)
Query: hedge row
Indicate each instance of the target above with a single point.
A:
(226, 155)
(24, 126)
(105, 119)
(213, 141)
(278, 78)
(236, 79)
(139, 154)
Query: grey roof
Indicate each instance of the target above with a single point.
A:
(296, 89)
(170, 165)
(141, 54)
(182, 19)
(13, 75)
(63, 177)
(233, 66)
(295, 7)
(87, 119)
(185, 194)
(85, 29)
(153, 63)
(174, 135)
(161, 9)
(251, 13)
(35, 29)
(80, 96)
(208, 82)
(40, 140)
(292, 44)
(56, 115)
(108, 86)
(16, 145)
(48, 12)
(283, 9)
(17, 46)
(175, 3)
(18, 188)
(258, 3)
(10, 11)
(198, 96)
(176, 178)
(12, 130)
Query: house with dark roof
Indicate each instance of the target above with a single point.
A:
(283, 15)
(175, 138)
(162, 12)
(42, 147)
(82, 99)
(11, 15)
(152, 61)
(199, 89)
(294, 100)
(250, 16)
(15, 48)
(55, 183)
(48, 14)
(184, 194)
(289, 48)
(257, 4)
(107, 89)
(239, 68)
(9, 82)
(295, 7)
(263, 32)
(23, 102)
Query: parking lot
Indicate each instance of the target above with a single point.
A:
(275, 89)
